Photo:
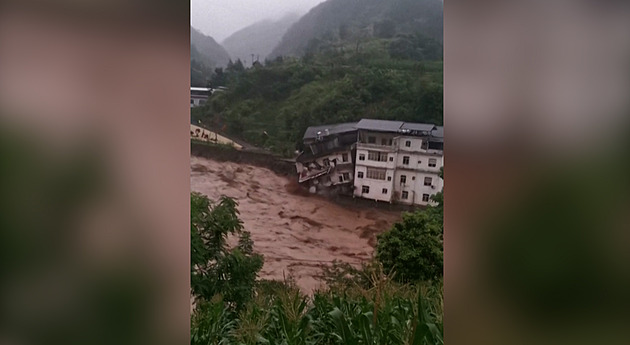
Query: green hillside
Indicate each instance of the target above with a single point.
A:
(335, 81)
(356, 19)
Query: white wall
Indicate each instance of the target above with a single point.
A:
(387, 165)
(376, 186)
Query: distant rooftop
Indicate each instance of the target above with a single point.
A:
(200, 89)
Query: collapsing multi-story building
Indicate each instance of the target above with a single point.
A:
(391, 161)
(328, 156)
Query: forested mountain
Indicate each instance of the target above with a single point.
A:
(392, 71)
(258, 39)
(357, 19)
(209, 51)
(205, 55)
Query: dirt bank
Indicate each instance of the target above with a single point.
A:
(296, 232)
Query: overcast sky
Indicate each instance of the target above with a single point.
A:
(221, 18)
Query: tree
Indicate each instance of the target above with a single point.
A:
(217, 269)
(385, 28)
(413, 248)
(218, 78)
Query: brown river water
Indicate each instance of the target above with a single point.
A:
(296, 232)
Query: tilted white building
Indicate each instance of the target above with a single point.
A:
(327, 160)
(398, 161)
(391, 161)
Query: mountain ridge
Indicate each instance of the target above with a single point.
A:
(259, 38)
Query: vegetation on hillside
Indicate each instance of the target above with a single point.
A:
(271, 106)
(356, 20)
(359, 306)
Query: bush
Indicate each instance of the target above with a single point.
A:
(413, 248)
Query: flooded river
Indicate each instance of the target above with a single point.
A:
(296, 232)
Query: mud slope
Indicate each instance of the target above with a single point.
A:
(296, 233)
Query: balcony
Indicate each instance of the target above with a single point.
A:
(310, 174)
(385, 148)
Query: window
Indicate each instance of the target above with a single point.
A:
(389, 178)
(346, 176)
(376, 174)
(432, 162)
(365, 189)
(425, 197)
(406, 160)
(371, 140)
(340, 178)
(405, 195)
(391, 159)
(360, 174)
(377, 156)
(361, 157)
(408, 143)
(427, 181)
(389, 142)
(384, 142)
(326, 162)
(344, 157)
(424, 145)
(384, 190)
(403, 178)
(413, 178)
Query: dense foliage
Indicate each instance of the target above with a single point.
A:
(215, 267)
(383, 313)
(271, 106)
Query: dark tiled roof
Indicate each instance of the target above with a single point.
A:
(311, 132)
(380, 125)
(394, 126)
(424, 127)
(438, 134)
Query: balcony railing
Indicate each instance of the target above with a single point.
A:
(376, 146)
(306, 175)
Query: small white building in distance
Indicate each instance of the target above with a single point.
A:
(199, 96)
(398, 162)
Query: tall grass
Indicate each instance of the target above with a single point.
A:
(376, 311)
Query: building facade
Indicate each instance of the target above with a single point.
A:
(398, 162)
(390, 161)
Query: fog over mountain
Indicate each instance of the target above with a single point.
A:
(220, 18)
(363, 18)
(207, 50)
(258, 39)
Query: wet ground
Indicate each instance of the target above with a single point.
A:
(295, 231)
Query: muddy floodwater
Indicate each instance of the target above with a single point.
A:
(296, 232)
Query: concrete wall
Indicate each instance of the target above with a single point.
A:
(274, 163)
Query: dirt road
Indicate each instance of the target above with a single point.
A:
(296, 232)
